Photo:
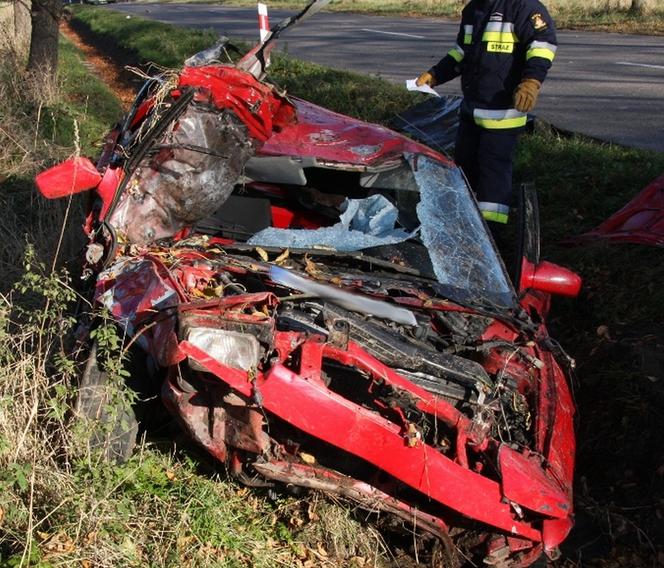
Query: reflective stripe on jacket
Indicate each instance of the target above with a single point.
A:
(496, 212)
(500, 43)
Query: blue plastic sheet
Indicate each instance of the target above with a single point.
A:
(365, 223)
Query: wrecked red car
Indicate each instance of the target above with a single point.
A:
(325, 308)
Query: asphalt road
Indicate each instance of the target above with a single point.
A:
(609, 86)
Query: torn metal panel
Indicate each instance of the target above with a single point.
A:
(360, 432)
(526, 483)
(641, 221)
(365, 494)
(333, 139)
(190, 171)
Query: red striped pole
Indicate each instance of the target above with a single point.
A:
(263, 22)
(263, 27)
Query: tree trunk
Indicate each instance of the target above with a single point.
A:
(22, 27)
(640, 7)
(44, 43)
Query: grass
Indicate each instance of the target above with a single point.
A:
(40, 125)
(142, 40)
(582, 182)
(344, 91)
(169, 508)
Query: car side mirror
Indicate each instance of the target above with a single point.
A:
(532, 272)
(549, 277)
(72, 176)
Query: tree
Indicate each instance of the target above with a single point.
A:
(43, 58)
(640, 7)
(22, 26)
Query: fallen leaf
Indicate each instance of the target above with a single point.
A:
(186, 541)
(321, 550)
(299, 550)
(307, 458)
(603, 332)
(311, 513)
(296, 522)
(282, 257)
(59, 543)
(311, 268)
(261, 252)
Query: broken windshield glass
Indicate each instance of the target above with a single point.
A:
(464, 259)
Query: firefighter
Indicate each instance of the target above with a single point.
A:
(503, 52)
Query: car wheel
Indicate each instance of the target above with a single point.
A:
(112, 426)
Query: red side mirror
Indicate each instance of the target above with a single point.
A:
(71, 176)
(550, 278)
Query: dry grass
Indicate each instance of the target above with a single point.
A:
(42, 121)
(19, 131)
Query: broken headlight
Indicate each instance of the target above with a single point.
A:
(230, 348)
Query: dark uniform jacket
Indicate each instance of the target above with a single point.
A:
(500, 43)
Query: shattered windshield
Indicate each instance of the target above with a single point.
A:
(443, 217)
(464, 260)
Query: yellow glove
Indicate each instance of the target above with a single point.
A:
(526, 94)
(426, 78)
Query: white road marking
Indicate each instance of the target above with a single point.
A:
(639, 65)
(392, 33)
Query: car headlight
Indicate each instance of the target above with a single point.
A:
(230, 348)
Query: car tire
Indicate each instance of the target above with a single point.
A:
(112, 430)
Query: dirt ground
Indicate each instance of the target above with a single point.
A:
(117, 76)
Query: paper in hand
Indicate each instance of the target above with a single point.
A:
(411, 85)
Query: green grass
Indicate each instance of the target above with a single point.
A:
(346, 92)
(368, 98)
(87, 101)
(582, 182)
(143, 40)
(39, 126)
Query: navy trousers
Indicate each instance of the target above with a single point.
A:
(486, 156)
